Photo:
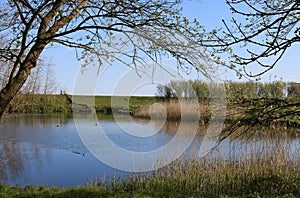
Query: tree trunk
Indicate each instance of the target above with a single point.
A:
(12, 88)
(15, 84)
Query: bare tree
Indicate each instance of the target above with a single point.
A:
(41, 80)
(50, 83)
(34, 82)
(30, 26)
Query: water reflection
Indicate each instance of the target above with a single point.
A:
(11, 160)
(16, 157)
(46, 149)
(39, 120)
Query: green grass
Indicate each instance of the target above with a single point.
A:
(94, 191)
(105, 104)
(132, 102)
(121, 101)
(39, 103)
(209, 180)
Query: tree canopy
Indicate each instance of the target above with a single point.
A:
(259, 34)
(29, 26)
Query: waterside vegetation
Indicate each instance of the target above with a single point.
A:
(270, 171)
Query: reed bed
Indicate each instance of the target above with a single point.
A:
(175, 110)
(264, 169)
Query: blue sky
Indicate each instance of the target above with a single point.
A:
(209, 13)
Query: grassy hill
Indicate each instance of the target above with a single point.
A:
(38, 103)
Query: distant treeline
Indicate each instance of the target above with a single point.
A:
(232, 90)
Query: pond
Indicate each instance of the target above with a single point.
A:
(48, 150)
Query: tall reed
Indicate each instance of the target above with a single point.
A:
(175, 110)
(267, 168)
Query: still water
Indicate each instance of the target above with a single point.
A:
(47, 149)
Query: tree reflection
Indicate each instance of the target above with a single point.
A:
(265, 139)
(16, 158)
(11, 160)
(44, 120)
(18, 154)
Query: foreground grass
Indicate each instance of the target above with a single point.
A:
(271, 171)
(232, 182)
(93, 191)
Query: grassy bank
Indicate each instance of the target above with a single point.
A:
(209, 179)
(38, 103)
(270, 171)
(118, 104)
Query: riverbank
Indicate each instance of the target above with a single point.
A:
(39, 103)
(142, 107)
(253, 175)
